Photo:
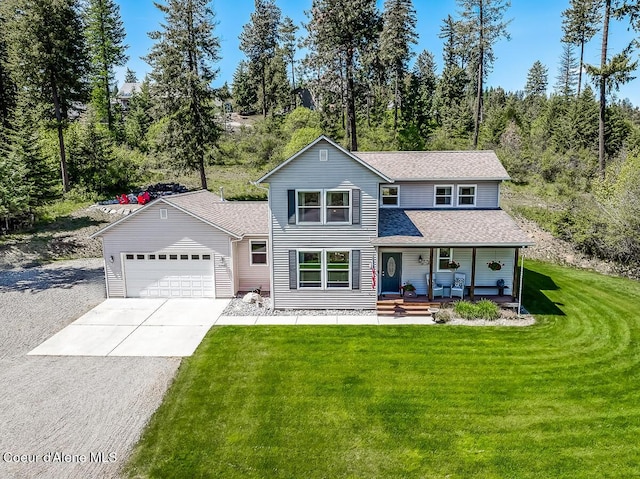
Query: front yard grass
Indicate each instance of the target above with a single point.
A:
(556, 400)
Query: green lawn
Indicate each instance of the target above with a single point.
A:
(559, 399)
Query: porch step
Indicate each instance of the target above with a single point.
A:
(400, 308)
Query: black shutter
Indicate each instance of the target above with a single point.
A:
(293, 269)
(355, 269)
(355, 207)
(291, 195)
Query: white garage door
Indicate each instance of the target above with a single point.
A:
(169, 275)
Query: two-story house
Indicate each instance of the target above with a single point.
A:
(339, 230)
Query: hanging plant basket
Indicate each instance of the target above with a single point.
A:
(495, 265)
(453, 265)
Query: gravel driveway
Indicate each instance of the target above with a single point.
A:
(67, 417)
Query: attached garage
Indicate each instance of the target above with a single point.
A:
(169, 275)
(186, 246)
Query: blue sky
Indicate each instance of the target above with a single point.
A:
(535, 31)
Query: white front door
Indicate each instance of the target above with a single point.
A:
(169, 275)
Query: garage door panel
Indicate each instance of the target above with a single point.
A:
(184, 277)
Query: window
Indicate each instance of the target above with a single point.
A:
(195, 256)
(338, 209)
(389, 196)
(445, 255)
(258, 252)
(206, 256)
(466, 195)
(162, 256)
(152, 256)
(337, 269)
(173, 256)
(309, 206)
(139, 256)
(310, 269)
(443, 195)
(184, 256)
(129, 256)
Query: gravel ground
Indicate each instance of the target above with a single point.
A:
(73, 406)
(237, 307)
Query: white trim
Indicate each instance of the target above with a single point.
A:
(304, 250)
(320, 207)
(326, 206)
(326, 269)
(475, 195)
(164, 213)
(381, 196)
(324, 154)
(324, 272)
(266, 253)
(438, 270)
(435, 196)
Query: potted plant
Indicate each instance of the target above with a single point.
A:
(495, 265)
(453, 265)
(409, 290)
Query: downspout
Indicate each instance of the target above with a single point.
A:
(520, 286)
(269, 246)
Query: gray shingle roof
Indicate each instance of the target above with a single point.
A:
(238, 217)
(399, 227)
(436, 165)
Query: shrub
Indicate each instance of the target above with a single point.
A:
(483, 309)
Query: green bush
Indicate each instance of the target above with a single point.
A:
(483, 309)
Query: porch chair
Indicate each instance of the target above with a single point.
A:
(438, 289)
(457, 288)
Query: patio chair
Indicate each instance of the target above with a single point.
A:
(438, 289)
(457, 288)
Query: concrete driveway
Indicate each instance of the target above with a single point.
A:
(136, 327)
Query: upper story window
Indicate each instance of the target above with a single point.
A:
(338, 207)
(258, 251)
(389, 196)
(466, 195)
(443, 196)
(309, 206)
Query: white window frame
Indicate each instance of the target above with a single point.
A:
(326, 206)
(320, 206)
(396, 196)
(266, 252)
(435, 196)
(326, 269)
(475, 196)
(438, 258)
(321, 256)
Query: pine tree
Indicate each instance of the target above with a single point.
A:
(537, 80)
(418, 107)
(130, 76)
(182, 61)
(244, 91)
(105, 36)
(289, 44)
(566, 80)
(258, 41)
(7, 86)
(483, 20)
(339, 31)
(580, 24)
(48, 61)
(398, 33)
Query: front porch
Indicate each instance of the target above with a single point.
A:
(397, 305)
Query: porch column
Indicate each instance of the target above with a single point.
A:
(516, 274)
(473, 274)
(430, 284)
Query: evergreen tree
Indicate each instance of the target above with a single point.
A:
(138, 119)
(289, 44)
(339, 31)
(537, 80)
(244, 91)
(483, 20)
(105, 36)
(130, 76)
(420, 92)
(182, 61)
(258, 41)
(566, 80)
(48, 60)
(7, 86)
(580, 24)
(398, 33)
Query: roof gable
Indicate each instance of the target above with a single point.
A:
(332, 144)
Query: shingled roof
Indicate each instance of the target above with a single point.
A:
(436, 165)
(470, 228)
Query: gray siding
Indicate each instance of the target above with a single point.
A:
(416, 273)
(250, 276)
(307, 172)
(420, 194)
(147, 233)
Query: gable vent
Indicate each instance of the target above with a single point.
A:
(163, 213)
(324, 155)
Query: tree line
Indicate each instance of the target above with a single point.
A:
(60, 128)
